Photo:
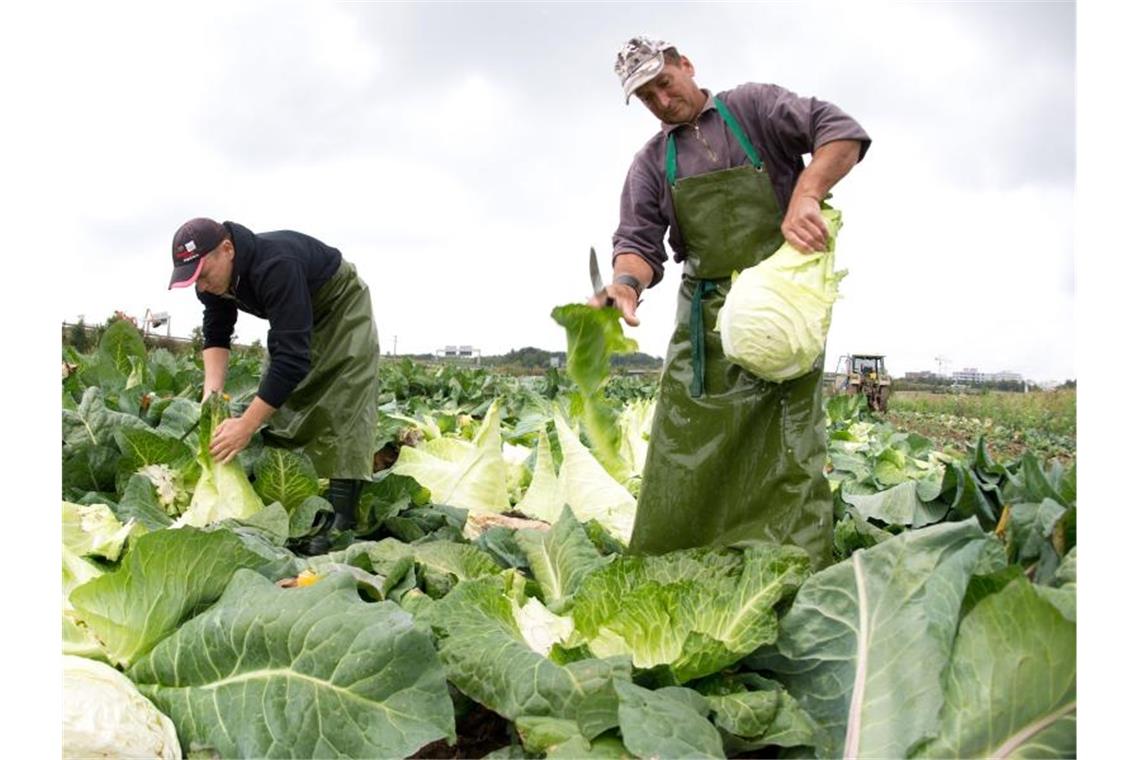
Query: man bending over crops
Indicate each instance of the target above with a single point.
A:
(731, 457)
(318, 394)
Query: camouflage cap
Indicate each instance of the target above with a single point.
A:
(638, 61)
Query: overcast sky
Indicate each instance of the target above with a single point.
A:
(466, 156)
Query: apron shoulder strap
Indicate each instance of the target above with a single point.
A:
(671, 160)
(737, 131)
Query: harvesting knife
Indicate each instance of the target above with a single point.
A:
(192, 428)
(596, 277)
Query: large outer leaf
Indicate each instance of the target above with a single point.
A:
(77, 639)
(286, 477)
(308, 672)
(140, 503)
(592, 337)
(544, 497)
(164, 371)
(695, 610)
(442, 563)
(967, 496)
(659, 724)
(560, 558)
(1031, 484)
(120, 343)
(898, 505)
(865, 641)
(467, 474)
(141, 446)
(589, 489)
(165, 461)
(90, 455)
(636, 423)
(1031, 527)
(179, 416)
(581, 483)
(165, 578)
(754, 712)
(488, 659)
(1011, 689)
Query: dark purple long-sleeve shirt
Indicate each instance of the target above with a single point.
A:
(782, 127)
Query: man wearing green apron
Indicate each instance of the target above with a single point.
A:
(731, 457)
(319, 392)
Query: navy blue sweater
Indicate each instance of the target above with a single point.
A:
(275, 277)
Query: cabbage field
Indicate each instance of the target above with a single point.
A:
(484, 605)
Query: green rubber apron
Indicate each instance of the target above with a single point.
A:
(731, 457)
(332, 413)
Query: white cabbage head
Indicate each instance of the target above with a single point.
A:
(104, 715)
(775, 318)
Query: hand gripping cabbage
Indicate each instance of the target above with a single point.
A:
(223, 490)
(775, 318)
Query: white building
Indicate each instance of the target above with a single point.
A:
(969, 375)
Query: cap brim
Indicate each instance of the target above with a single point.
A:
(187, 274)
(644, 73)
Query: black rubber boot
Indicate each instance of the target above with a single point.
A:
(318, 543)
(343, 495)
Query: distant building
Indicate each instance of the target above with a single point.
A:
(969, 375)
(923, 375)
(459, 352)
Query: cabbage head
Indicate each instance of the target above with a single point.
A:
(775, 318)
(89, 530)
(223, 490)
(104, 715)
(92, 530)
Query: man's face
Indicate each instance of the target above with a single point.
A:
(217, 270)
(672, 96)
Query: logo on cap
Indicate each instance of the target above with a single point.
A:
(186, 251)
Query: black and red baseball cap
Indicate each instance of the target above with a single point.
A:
(192, 242)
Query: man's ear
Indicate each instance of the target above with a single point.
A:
(687, 66)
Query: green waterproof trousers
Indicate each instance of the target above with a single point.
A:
(331, 415)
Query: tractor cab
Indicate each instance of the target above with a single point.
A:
(865, 374)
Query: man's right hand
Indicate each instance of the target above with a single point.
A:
(624, 299)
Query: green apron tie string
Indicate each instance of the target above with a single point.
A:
(697, 333)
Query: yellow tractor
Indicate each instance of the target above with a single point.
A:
(865, 374)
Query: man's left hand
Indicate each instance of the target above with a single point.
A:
(230, 437)
(803, 225)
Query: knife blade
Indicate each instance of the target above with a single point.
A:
(596, 277)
